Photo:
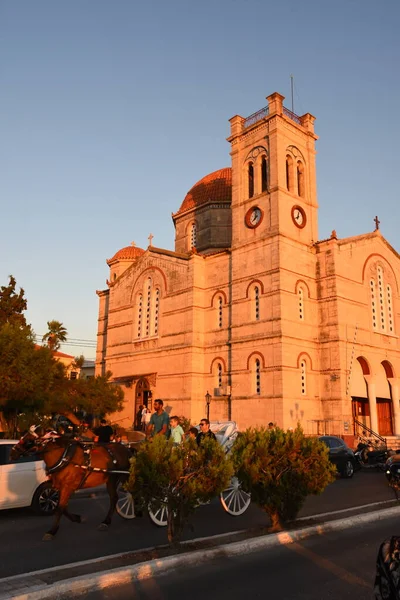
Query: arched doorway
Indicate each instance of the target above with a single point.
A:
(384, 399)
(143, 395)
(359, 393)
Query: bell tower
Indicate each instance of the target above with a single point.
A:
(273, 175)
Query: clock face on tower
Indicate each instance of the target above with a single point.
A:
(253, 217)
(299, 216)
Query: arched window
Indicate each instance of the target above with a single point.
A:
(303, 373)
(300, 295)
(251, 179)
(139, 315)
(219, 375)
(220, 304)
(289, 173)
(148, 305)
(257, 303)
(156, 310)
(381, 303)
(257, 376)
(373, 303)
(300, 179)
(193, 236)
(264, 183)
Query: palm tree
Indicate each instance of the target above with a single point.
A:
(55, 335)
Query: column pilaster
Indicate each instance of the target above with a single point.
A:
(372, 401)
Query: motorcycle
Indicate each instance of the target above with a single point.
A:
(392, 472)
(372, 458)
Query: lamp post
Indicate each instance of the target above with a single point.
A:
(208, 400)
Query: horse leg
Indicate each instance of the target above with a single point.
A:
(65, 494)
(112, 484)
(74, 518)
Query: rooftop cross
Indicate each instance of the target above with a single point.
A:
(377, 222)
(150, 238)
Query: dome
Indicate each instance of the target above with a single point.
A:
(215, 187)
(128, 253)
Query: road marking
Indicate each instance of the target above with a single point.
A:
(343, 510)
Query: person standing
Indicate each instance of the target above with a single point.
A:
(104, 433)
(159, 422)
(138, 423)
(205, 431)
(177, 432)
(144, 422)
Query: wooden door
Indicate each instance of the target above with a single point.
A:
(384, 410)
(361, 410)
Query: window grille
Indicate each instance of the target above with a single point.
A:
(219, 375)
(156, 310)
(257, 303)
(251, 180)
(303, 377)
(139, 316)
(148, 307)
(220, 305)
(300, 294)
(193, 236)
(258, 376)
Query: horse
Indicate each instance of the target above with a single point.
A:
(73, 465)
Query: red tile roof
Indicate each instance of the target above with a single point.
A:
(127, 253)
(215, 187)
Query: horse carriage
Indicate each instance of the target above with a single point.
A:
(234, 500)
(74, 464)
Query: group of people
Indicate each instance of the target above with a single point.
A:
(159, 423)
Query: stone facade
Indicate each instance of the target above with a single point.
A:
(251, 307)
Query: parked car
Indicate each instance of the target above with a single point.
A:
(340, 455)
(25, 483)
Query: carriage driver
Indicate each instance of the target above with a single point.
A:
(159, 422)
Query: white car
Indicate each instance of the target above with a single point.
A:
(24, 482)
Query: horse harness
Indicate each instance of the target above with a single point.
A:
(69, 453)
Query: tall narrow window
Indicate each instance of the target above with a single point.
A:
(373, 303)
(257, 303)
(389, 308)
(257, 373)
(301, 303)
(381, 303)
(219, 375)
(193, 235)
(289, 173)
(139, 315)
(220, 305)
(148, 306)
(251, 180)
(300, 179)
(156, 310)
(303, 372)
(264, 174)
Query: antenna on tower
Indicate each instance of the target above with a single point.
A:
(291, 89)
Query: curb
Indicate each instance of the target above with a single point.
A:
(32, 588)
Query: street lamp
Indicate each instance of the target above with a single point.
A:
(208, 400)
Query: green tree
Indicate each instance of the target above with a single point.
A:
(78, 362)
(28, 374)
(179, 477)
(12, 305)
(96, 396)
(280, 469)
(56, 335)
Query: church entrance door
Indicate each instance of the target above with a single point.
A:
(385, 421)
(143, 395)
(361, 410)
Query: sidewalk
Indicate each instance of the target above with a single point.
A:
(118, 569)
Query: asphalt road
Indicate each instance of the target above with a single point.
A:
(22, 549)
(334, 566)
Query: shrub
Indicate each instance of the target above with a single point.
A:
(280, 469)
(180, 477)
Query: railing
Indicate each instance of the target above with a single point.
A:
(291, 115)
(257, 116)
(377, 440)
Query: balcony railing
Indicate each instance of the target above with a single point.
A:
(257, 116)
(291, 115)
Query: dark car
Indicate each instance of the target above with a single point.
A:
(340, 455)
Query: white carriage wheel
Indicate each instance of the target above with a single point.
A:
(234, 500)
(125, 506)
(159, 516)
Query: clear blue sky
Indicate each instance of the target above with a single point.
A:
(111, 110)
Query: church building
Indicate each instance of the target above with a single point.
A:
(251, 311)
